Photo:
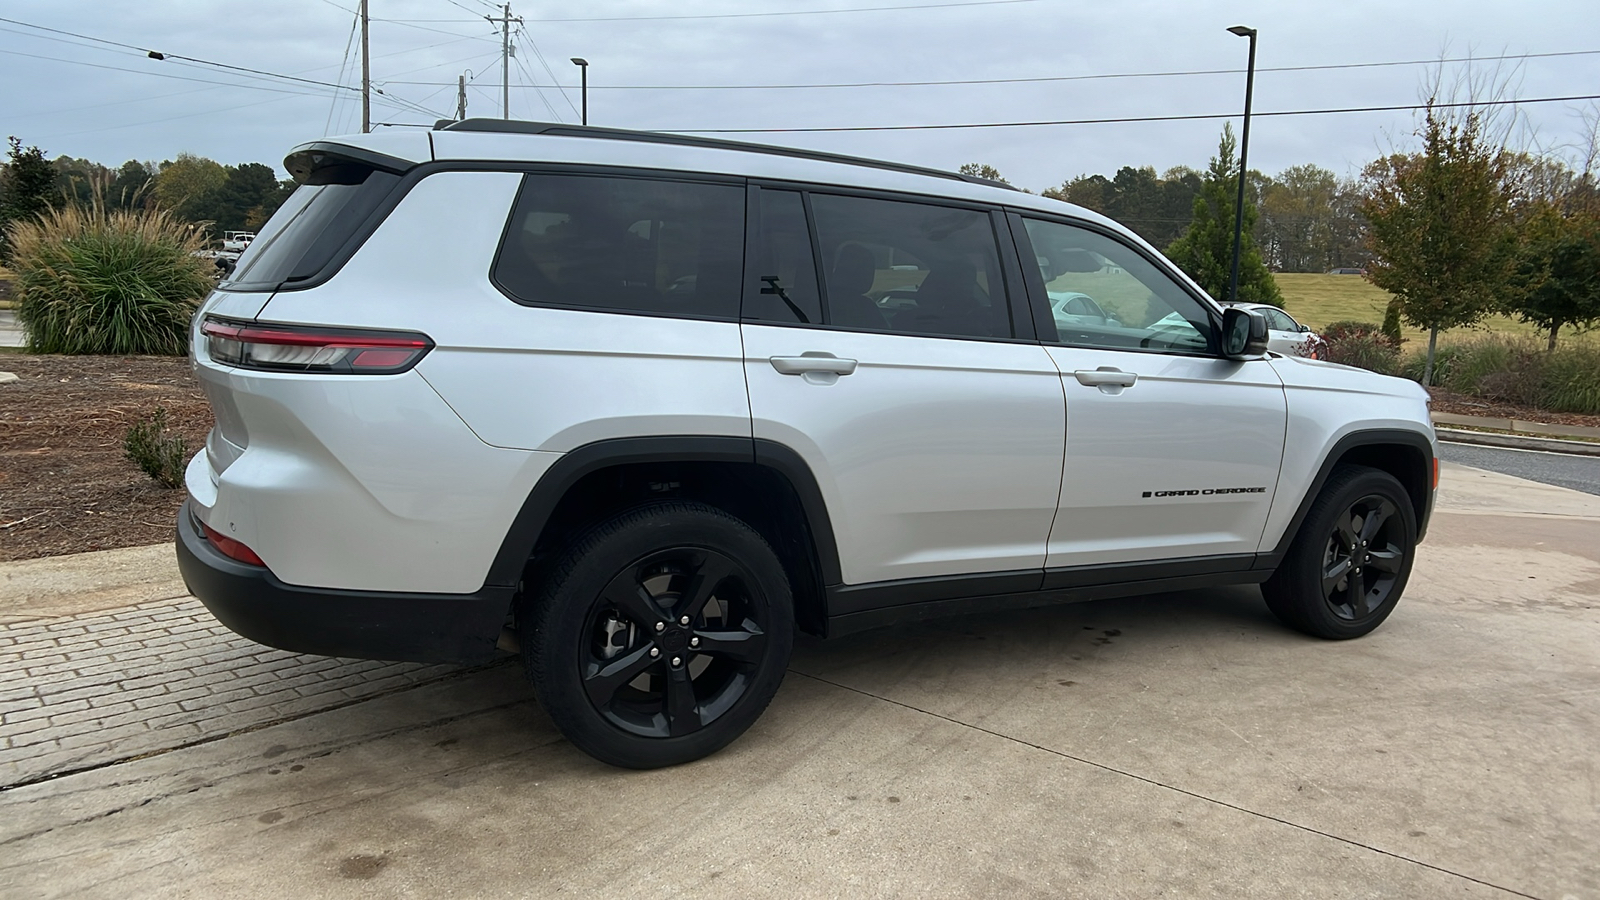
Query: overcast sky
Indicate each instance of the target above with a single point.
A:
(110, 103)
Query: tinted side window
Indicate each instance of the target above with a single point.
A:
(914, 268)
(311, 226)
(784, 288)
(1105, 294)
(659, 247)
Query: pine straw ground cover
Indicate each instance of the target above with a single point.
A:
(65, 485)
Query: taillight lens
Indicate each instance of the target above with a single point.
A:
(231, 548)
(300, 348)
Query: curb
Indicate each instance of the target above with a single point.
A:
(1517, 442)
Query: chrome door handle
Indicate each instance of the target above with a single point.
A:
(825, 363)
(1105, 375)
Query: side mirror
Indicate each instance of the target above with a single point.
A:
(1305, 329)
(1244, 333)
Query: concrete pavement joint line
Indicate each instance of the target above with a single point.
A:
(1152, 782)
(327, 749)
(51, 776)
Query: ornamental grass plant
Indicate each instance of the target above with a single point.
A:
(95, 280)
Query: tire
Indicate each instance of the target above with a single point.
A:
(1349, 563)
(611, 658)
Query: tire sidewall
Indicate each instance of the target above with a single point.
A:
(554, 651)
(1297, 583)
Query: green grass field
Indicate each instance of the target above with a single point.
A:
(1317, 300)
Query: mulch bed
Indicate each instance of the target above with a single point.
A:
(1463, 405)
(65, 485)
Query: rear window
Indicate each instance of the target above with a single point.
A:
(317, 220)
(627, 244)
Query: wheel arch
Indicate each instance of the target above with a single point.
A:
(1407, 455)
(765, 483)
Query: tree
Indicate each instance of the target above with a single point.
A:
(1297, 224)
(1557, 276)
(1156, 207)
(131, 184)
(250, 191)
(1440, 225)
(1205, 250)
(983, 170)
(25, 185)
(189, 187)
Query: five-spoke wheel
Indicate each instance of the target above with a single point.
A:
(661, 636)
(1348, 564)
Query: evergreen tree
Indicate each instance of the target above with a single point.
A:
(26, 183)
(1205, 250)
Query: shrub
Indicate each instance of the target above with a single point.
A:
(159, 454)
(1391, 323)
(1571, 381)
(1518, 370)
(1360, 344)
(93, 280)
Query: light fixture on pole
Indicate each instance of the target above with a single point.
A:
(583, 66)
(1244, 156)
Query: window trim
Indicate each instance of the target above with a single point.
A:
(616, 172)
(1039, 300)
(1011, 279)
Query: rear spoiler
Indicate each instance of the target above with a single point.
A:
(326, 162)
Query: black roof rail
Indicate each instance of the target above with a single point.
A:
(517, 126)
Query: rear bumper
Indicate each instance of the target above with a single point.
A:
(250, 600)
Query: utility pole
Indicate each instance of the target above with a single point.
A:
(366, 75)
(461, 97)
(505, 21)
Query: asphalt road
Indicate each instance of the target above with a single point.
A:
(1580, 473)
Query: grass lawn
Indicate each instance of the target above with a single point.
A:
(1316, 300)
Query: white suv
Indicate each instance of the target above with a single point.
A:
(642, 405)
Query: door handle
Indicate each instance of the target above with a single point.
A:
(1105, 376)
(822, 363)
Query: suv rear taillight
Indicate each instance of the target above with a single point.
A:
(301, 348)
(229, 547)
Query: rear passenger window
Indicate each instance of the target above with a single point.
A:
(629, 244)
(913, 268)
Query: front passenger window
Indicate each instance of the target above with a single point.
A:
(1104, 294)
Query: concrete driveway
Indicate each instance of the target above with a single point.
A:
(1178, 745)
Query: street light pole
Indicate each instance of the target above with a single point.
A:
(1244, 156)
(583, 66)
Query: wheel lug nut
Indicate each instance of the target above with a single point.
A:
(694, 642)
(661, 626)
(655, 652)
(684, 620)
(677, 661)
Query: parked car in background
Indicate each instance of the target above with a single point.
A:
(1284, 334)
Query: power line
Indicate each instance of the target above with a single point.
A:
(794, 12)
(1127, 119)
(1056, 78)
(527, 38)
(158, 55)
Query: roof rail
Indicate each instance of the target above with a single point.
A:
(517, 126)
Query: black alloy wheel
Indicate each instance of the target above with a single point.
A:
(1363, 559)
(674, 642)
(1348, 564)
(660, 636)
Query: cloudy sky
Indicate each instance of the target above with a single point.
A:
(710, 64)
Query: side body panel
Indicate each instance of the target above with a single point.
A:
(1182, 463)
(935, 456)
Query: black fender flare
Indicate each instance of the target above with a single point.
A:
(529, 524)
(1375, 437)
